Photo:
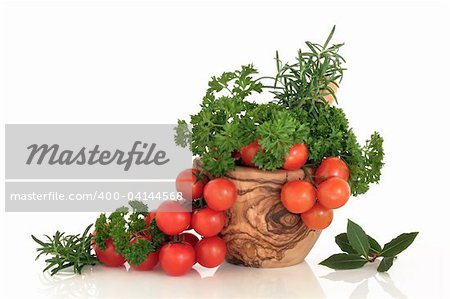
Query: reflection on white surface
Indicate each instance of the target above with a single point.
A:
(361, 291)
(385, 281)
(361, 277)
(227, 281)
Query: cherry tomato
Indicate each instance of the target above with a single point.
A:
(208, 222)
(177, 258)
(297, 157)
(331, 167)
(109, 257)
(188, 184)
(188, 238)
(220, 194)
(148, 264)
(172, 218)
(298, 196)
(151, 260)
(211, 251)
(149, 218)
(333, 193)
(318, 217)
(248, 152)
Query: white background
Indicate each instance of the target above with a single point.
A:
(141, 62)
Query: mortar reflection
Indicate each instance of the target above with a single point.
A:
(231, 281)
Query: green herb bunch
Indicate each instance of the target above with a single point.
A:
(297, 113)
(66, 251)
(131, 237)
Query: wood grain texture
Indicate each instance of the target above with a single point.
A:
(259, 231)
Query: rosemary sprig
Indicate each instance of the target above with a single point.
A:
(67, 251)
(302, 83)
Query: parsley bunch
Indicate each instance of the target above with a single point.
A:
(297, 113)
(130, 235)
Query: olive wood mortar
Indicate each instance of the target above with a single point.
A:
(259, 231)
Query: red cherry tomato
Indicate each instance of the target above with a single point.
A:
(297, 157)
(149, 263)
(208, 222)
(172, 218)
(177, 258)
(298, 196)
(188, 238)
(318, 217)
(109, 257)
(211, 251)
(188, 184)
(333, 193)
(220, 194)
(248, 152)
(331, 167)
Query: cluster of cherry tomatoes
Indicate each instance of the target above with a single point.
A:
(178, 256)
(316, 198)
(174, 219)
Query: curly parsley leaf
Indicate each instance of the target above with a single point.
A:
(183, 136)
(276, 137)
(130, 235)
